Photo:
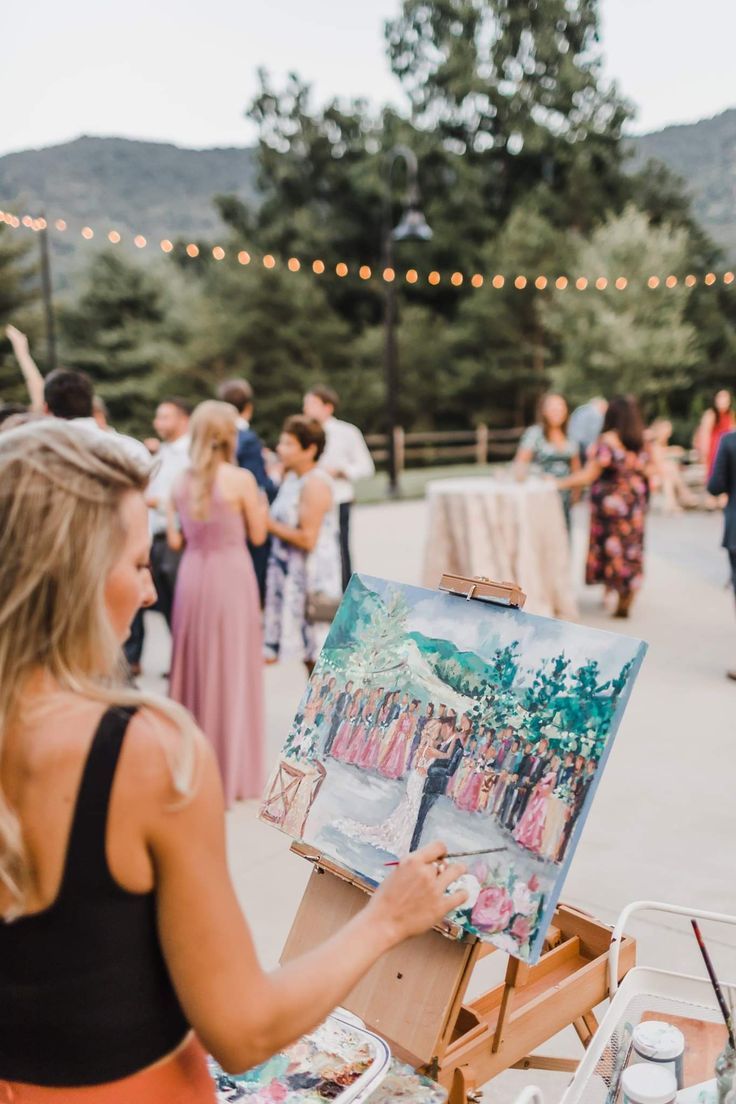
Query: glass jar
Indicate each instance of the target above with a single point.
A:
(725, 1071)
(648, 1084)
(662, 1044)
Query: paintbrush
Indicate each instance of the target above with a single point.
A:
(714, 982)
(462, 854)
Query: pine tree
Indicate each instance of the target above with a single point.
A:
(18, 294)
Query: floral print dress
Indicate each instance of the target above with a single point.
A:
(618, 500)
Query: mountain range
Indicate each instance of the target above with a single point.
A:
(164, 191)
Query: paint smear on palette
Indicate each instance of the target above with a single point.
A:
(337, 1062)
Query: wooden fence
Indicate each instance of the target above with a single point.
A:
(481, 445)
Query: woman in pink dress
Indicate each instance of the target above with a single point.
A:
(361, 731)
(371, 750)
(530, 829)
(346, 730)
(394, 761)
(217, 659)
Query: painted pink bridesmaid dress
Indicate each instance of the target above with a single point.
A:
(393, 764)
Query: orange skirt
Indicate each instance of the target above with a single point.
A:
(182, 1078)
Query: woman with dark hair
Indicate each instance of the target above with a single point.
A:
(304, 563)
(617, 472)
(547, 447)
(717, 420)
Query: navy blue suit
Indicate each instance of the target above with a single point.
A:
(723, 481)
(249, 455)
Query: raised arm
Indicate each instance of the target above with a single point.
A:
(31, 374)
(314, 502)
(241, 1013)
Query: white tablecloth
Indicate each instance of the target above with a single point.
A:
(505, 530)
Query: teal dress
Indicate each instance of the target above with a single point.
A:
(551, 459)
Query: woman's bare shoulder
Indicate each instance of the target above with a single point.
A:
(161, 755)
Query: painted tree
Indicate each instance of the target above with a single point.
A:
(542, 698)
(381, 646)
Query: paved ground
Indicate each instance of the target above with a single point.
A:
(664, 819)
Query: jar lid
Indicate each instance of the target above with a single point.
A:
(645, 1084)
(657, 1039)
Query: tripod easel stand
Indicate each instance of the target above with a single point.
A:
(415, 996)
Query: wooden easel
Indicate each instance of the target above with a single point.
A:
(415, 996)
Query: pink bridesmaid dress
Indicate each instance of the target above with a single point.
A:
(393, 763)
(217, 658)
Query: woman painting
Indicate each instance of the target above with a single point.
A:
(547, 447)
(617, 472)
(216, 666)
(126, 930)
(305, 555)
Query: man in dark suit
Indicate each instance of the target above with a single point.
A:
(249, 455)
(439, 774)
(723, 481)
(338, 713)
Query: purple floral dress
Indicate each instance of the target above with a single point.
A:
(618, 501)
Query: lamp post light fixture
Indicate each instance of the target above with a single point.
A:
(412, 226)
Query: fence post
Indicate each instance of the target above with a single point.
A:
(399, 449)
(481, 444)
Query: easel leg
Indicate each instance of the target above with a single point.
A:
(464, 1089)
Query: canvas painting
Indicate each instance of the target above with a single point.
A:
(432, 717)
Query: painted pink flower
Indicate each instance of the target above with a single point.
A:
(524, 901)
(479, 870)
(492, 910)
(521, 928)
(533, 883)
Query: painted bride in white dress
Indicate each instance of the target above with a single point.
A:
(394, 834)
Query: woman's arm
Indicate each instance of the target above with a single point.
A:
(174, 536)
(254, 505)
(31, 374)
(314, 502)
(242, 1014)
(583, 477)
(522, 460)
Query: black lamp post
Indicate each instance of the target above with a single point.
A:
(412, 226)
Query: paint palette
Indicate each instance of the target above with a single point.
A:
(340, 1061)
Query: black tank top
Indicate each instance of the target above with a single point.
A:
(85, 995)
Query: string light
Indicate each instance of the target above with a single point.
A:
(388, 274)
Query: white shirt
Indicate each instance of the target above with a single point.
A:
(171, 460)
(345, 452)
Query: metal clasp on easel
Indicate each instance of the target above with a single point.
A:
(484, 589)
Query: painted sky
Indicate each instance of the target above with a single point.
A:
(183, 72)
(476, 626)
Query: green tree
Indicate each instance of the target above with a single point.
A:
(18, 296)
(634, 340)
(119, 331)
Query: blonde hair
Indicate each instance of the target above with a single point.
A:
(214, 431)
(61, 532)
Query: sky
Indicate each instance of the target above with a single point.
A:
(178, 71)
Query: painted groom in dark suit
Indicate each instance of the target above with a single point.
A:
(249, 455)
(438, 777)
